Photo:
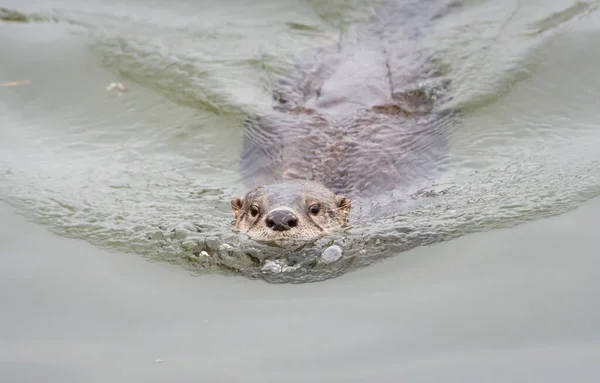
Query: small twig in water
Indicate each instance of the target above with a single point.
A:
(15, 83)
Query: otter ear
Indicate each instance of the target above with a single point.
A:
(343, 203)
(236, 205)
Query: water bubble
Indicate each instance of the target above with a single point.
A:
(278, 267)
(272, 266)
(331, 254)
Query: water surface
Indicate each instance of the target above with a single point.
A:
(151, 171)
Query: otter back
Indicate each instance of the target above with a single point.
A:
(360, 117)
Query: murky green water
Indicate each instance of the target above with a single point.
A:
(152, 170)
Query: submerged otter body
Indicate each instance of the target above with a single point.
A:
(357, 121)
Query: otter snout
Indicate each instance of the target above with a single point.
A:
(281, 220)
(291, 210)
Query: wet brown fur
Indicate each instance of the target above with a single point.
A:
(354, 123)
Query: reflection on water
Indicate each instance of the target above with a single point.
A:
(152, 170)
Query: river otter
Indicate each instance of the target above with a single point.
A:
(347, 133)
(296, 210)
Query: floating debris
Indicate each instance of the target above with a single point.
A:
(16, 83)
(118, 85)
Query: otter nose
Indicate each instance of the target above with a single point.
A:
(281, 220)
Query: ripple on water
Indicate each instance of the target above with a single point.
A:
(152, 172)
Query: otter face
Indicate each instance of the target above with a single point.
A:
(292, 210)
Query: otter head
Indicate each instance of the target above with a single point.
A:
(291, 210)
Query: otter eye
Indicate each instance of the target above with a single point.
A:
(254, 210)
(314, 209)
